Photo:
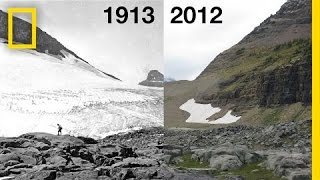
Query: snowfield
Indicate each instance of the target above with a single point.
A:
(199, 113)
(91, 112)
(37, 91)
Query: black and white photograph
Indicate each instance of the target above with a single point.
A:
(67, 106)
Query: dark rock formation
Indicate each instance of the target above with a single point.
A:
(284, 85)
(154, 79)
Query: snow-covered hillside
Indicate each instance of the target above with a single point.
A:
(30, 69)
(38, 90)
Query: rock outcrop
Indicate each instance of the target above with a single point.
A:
(154, 79)
(45, 156)
(282, 150)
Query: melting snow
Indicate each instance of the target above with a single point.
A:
(199, 113)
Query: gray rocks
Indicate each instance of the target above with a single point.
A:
(274, 148)
(28, 156)
(154, 79)
(141, 154)
(216, 155)
(9, 157)
(135, 162)
(291, 165)
(39, 175)
(225, 162)
(11, 163)
(303, 174)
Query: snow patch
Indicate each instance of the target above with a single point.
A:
(199, 113)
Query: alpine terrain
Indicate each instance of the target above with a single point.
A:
(264, 79)
(52, 85)
(260, 88)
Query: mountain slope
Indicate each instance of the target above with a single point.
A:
(265, 78)
(45, 44)
(51, 84)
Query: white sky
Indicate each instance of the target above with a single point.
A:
(190, 48)
(128, 51)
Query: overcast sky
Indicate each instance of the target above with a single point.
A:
(190, 48)
(128, 51)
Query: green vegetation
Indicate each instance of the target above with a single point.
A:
(168, 98)
(249, 63)
(251, 172)
(187, 162)
(266, 58)
(276, 114)
(272, 115)
(240, 51)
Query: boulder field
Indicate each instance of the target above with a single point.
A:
(280, 151)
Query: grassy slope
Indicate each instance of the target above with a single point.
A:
(249, 171)
(262, 60)
(242, 64)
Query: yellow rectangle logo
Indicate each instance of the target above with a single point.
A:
(33, 12)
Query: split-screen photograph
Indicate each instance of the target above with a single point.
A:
(158, 89)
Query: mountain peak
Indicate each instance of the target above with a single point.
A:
(154, 79)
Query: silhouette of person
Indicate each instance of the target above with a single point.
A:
(59, 129)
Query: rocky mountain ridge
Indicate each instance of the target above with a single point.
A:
(45, 43)
(288, 30)
(264, 75)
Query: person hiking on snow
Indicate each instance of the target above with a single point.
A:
(59, 129)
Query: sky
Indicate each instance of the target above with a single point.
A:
(189, 48)
(128, 51)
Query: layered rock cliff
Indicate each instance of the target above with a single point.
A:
(271, 65)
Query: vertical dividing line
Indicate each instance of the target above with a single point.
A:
(315, 89)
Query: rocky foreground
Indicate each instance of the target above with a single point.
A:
(276, 152)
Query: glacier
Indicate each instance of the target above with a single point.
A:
(38, 91)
